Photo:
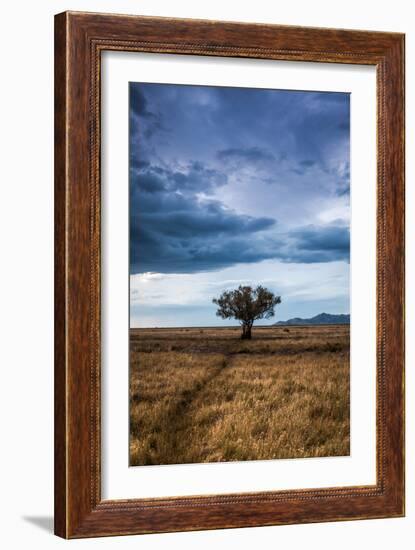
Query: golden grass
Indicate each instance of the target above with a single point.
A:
(203, 395)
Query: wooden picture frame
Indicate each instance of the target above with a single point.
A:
(79, 40)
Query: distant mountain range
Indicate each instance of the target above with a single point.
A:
(321, 319)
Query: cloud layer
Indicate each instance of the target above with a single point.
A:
(197, 153)
(228, 177)
(174, 230)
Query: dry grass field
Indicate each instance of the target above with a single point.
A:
(204, 395)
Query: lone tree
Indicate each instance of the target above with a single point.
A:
(246, 304)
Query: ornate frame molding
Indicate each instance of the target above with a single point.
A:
(79, 40)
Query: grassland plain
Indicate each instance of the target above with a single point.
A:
(205, 395)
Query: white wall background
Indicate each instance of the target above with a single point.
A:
(26, 276)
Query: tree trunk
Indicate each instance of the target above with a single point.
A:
(246, 332)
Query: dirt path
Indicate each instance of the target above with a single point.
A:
(178, 419)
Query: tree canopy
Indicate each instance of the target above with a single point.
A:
(247, 304)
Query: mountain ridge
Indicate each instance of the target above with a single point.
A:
(320, 319)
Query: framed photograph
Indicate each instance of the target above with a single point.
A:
(229, 275)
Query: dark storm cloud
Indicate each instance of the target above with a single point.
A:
(251, 154)
(245, 122)
(304, 167)
(192, 178)
(178, 221)
(312, 244)
(307, 163)
(145, 121)
(322, 238)
(139, 103)
(174, 232)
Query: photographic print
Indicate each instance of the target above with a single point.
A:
(239, 274)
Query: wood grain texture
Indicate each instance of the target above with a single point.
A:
(59, 283)
(79, 40)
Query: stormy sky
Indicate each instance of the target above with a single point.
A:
(234, 186)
